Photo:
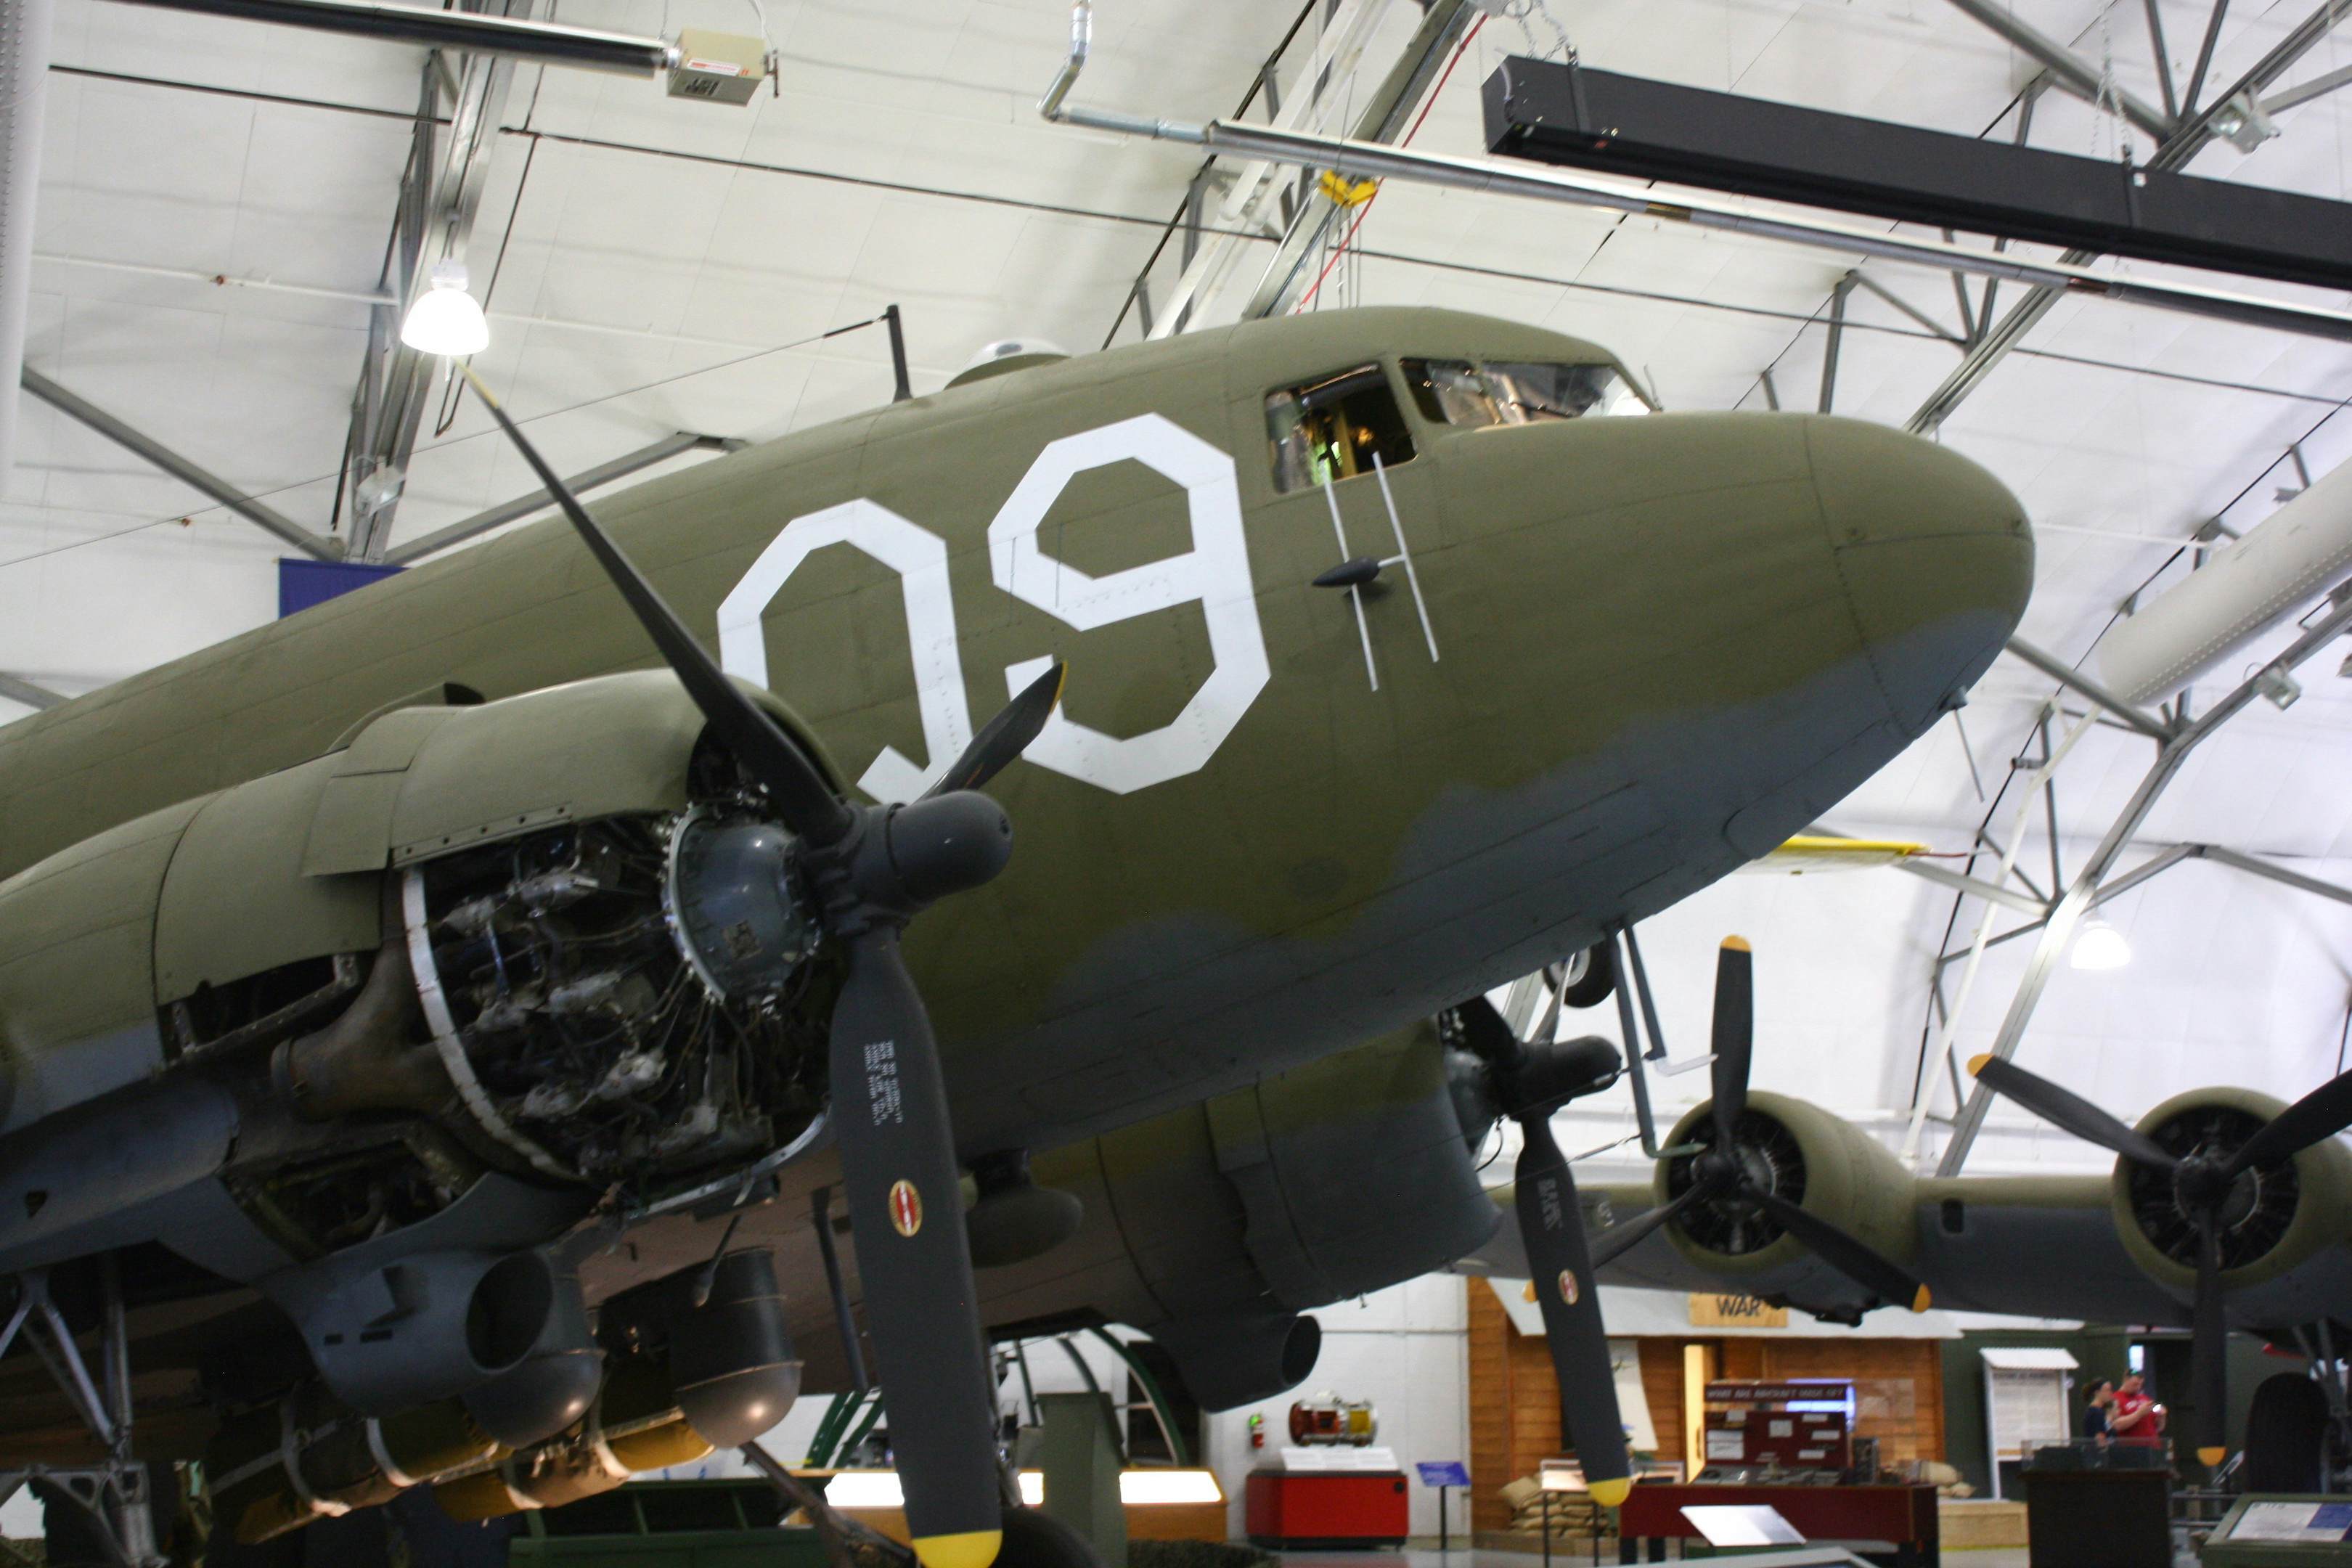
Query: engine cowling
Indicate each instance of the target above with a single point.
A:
(2282, 1252)
(548, 935)
(1812, 1157)
(1214, 1226)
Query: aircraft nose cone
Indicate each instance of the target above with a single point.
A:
(1934, 555)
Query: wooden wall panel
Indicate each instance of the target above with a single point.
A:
(1515, 1399)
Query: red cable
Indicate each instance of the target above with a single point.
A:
(1349, 238)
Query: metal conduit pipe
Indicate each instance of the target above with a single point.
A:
(464, 32)
(24, 71)
(1372, 160)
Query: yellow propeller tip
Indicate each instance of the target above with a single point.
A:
(1735, 944)
(1919, 1302)
(1610, 1494)
(1977, 1063)
(1062, 684)
(2211, 1456)
(972, 1549)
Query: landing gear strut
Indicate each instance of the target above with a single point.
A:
(113, 1494)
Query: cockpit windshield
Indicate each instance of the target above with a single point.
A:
(1454, 391)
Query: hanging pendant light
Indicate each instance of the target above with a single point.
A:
(2099, 945)
(446, 319)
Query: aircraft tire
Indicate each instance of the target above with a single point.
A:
(1598, 981)
(1034, 1539)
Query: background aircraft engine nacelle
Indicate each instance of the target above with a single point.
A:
(1810, 1158)
(1216, 1227)
(2283, 1224)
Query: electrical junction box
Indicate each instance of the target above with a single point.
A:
(718, 67)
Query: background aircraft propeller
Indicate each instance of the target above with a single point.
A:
(2203, 1183)
(1721, 1174)
(872, 869)
(1527, 1082)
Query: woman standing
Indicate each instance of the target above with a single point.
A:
(2096, 1425)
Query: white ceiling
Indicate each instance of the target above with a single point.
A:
(650, 258)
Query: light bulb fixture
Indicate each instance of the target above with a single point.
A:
(446, 319)
(2099, 945)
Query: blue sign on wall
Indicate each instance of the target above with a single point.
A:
(302, 584)
(1444, 1473)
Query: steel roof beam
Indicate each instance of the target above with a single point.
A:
(2186, 140)
(317, 546)
(435, 219)
(2066, 67)
(1382, 119)
(2303, 94)
(522, 506)
(17, 689)
(2082, 894)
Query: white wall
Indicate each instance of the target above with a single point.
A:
(1406, 1349)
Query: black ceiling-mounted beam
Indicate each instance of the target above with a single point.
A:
(465, 32)
(1599, 121)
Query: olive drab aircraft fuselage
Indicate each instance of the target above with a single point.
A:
(1583, 665)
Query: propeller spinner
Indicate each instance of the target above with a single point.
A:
(872, 869)
(2206, 1184)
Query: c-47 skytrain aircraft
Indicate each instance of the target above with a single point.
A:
(438, 1021)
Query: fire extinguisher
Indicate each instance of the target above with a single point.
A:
(1257, 1431)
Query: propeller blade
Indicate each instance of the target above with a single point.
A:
(2209, 1346)
(1007, 735)
(1735, 1034)
(1620, 1240)
(2323, 1113)
(1552, 1226)
(905, 1214)
(803, 799)
(2068, 1112)
(1851, 1257)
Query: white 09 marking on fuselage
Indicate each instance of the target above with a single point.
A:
(1215, 573)
(920, 557)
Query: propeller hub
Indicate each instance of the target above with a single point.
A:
(2203, 1183)
(2250, 1209)
(1762, 1157)
(948, 843)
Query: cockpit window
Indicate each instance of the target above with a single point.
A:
(1454, 391)
(1333, 428)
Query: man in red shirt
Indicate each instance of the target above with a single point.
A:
(2136, 1419)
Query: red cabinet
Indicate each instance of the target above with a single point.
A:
(1338, 1508)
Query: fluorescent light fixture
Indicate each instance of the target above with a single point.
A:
(446, 319)
(879, 1489)
(1168, 1486)
(2099, 945)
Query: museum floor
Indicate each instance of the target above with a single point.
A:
(1991, 1557)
